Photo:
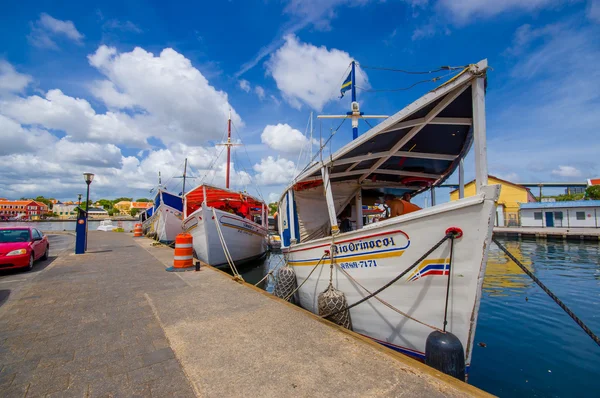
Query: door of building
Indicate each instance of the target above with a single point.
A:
(549, 219)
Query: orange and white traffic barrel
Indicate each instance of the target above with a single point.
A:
(137, 230)
(184, 253)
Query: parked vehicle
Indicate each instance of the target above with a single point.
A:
(20, 247)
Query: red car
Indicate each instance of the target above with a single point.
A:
(21, 246)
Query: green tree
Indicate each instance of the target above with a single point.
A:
(45, 201)
(117, 200)
(272, 208)
(107, 204)
(143, 200)
(111, 212)
(593, 192)
(134, 212)
(567, 197)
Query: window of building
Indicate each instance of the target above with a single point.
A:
(537, 215)
(580, 215)
(558, 215)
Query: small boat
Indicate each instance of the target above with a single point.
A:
(163, 221)
(222, 221)
(439, 278)
(106, 225)
(145, 219)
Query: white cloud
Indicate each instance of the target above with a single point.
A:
(46, 29)
(272, 171)
(12, 81)
(76, 117)
(273, 197)
(308, 74)
(107, 92)
(463, 11)
(260, 92)
(303, 13)
(16, 139)
(284, 138)
(566, 171)
(244, 85)
(180, 104)
(593, 10)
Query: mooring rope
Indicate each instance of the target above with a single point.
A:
(390, 283)
(234, 270)
(270, 272)
(549, 293)
(448, 284)
(307, 278)
(386, 303)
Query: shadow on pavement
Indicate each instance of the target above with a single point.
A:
(38, 266)
(4, 293)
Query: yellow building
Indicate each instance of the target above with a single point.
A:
(124, 207)
(511, 195)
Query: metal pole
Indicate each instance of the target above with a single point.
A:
(87, 216)
(461, 179)
(228, 150)
(354, 129)
(184, 173)
(540, 192)
(432, 196)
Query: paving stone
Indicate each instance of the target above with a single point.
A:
(15, 391)
(108, 386)
(146, 374)
(157, 356)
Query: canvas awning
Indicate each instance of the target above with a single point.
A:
(216, 197)
(413, 150)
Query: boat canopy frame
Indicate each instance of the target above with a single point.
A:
(414, 150)
(212, 196)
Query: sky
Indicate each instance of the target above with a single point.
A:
(128, 89)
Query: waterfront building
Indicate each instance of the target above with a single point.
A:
(593, 181)
(567, 214)
(124, 207)
(97, 212)
(511, 196)
(23, 209)
(141, 205)
(64, 211)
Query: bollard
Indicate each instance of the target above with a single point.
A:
(137, 231)
(184, 254)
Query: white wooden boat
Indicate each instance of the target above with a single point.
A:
(216, 230)
(416, 149)
(165, 222)
(245, 238)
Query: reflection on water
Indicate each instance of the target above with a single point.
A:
(532, 347)
(67, 225)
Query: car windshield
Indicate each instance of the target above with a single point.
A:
(14, 235)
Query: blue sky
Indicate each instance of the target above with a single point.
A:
(127, 89)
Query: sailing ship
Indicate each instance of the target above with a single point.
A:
(412, 151)
(226, 225)
(163, 221)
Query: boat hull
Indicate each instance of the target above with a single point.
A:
(245, 239)
(376, 254)
(165, 224)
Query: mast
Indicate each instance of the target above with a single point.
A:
(354, 124)
(184, 173)
(159, 181)
(228, 150)
(311, 137)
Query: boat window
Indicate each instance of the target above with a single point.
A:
(537, 215)
(580, 215)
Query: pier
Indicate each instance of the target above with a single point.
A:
(589, 234)
(112, 322)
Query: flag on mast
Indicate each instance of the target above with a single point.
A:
(346, 85)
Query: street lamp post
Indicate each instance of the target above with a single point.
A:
(88, 177)
(79, 199)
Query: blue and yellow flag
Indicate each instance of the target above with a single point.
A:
(346, 85)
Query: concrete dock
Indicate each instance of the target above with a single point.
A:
(113, 323)
(588, 234)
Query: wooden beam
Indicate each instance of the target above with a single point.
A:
(423, 155)
(415, 130)
(479, 139)
(353, 165)
(389, 172)
(376, 155)
(457, 121)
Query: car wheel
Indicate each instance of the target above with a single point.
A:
(45, 256)
(30, 265)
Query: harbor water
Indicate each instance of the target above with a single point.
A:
(67, 225)
(525, 344)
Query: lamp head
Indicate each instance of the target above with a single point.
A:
(88, 177)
